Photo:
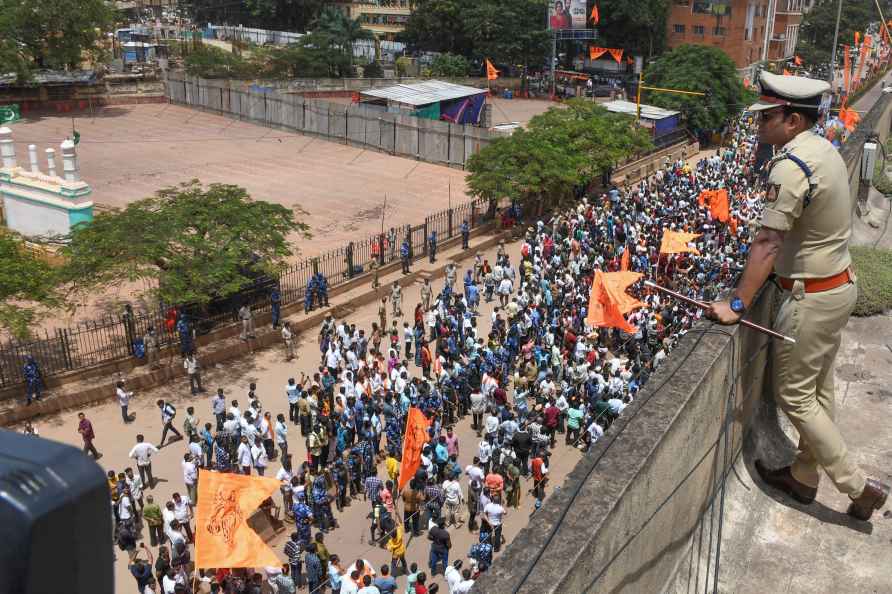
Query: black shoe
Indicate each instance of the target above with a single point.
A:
(782, 479)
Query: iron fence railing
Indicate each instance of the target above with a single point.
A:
(95, 342)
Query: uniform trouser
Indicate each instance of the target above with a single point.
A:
(804, 382)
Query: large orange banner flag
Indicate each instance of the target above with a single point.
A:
(222, 535)
(676, 242)
(413, 442)
(609, 302)
(720, 207)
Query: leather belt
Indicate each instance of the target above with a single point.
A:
(817, 285)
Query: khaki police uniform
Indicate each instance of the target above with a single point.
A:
(816, 217)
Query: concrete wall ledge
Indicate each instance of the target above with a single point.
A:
(643, 487)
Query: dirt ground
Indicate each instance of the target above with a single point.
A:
(128, 152)
(269, 370)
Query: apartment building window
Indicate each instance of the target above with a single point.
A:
(698, 30)
(679, 28)
(719, 31)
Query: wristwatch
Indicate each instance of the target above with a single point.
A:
(737, 305)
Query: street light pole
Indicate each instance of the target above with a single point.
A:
(835, 40)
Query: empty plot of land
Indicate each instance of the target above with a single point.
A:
(128, 152)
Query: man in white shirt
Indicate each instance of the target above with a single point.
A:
(453, 500)
(281, 431)
(243, 456)
(124, 401)
(494, 514)
(258, 456)
(142, 453)
(218, 407)
(190, 476)
(484, 452)
(125, 507)
(182, 510)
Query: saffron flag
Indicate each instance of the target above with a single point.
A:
(857, 37)
(596, 16)
(865, 48)
(491, 72)
(413, 442)
(222, 535)
(706, 197)
(596, 52)
(609, 302)
(733, 226)
(797, 60)
(720, 208)
(676, 242)
(617, 55)
(850, 118)
(624, 261)
(787, 72)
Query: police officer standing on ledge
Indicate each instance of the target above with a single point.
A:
(804, 239)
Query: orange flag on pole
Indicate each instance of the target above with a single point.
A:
(596, 16)
(797, 60)
(705, 197)
(609, 302)
(787, 72)
(733, 226)
(676, 242)
(413, 442)
(491, 72)
(624, 261)
(857, 37)
(222, 535)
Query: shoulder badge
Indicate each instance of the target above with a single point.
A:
(772, 191)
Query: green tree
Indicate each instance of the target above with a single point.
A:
(279, 15)
(192, 243)
(449, 66)
(56, 34)
(505, 32)
(700, 69)
(562, 150)
(438, 26)
(342, 29)
(638, 27)
(508, 32)
(26, 285)
(815, 42)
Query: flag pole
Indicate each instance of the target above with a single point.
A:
(702, 305)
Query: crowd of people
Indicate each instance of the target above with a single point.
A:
(531, 377)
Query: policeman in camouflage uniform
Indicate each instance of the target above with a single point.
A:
(806, 226)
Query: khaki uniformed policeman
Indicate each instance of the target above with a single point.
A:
(804, 238)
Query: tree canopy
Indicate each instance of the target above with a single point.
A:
(449, 66)
(26, 284)
(700, 69)
(193, 243)
(280, 15)
(560, 151)
(815, 43)
(55, 34)
(504, 32)
(638, 27)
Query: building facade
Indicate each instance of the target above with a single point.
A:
(385, 19)
(749, 31)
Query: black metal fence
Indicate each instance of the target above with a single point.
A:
(110, 338)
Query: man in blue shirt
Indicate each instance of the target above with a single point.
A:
(465, 234)
(404, 256)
